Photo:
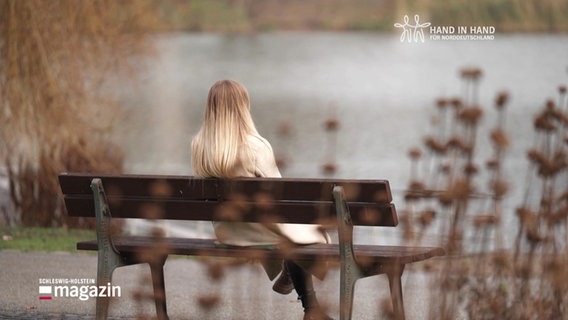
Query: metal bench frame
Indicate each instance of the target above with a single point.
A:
(351, 270)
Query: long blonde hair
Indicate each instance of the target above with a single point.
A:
(220, 147)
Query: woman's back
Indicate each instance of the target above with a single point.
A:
(228, 145)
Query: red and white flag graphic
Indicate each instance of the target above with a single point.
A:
(44, 292)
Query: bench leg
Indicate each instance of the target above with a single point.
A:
(102, 302)
(346, 292)
(395, 284)
(108, 260)
(349, 271)
(108, 257)
(102, 308)
(157, 268)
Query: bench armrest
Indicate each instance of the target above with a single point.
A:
(103, 216)
(344, 225)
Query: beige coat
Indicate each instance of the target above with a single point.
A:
(254, 234)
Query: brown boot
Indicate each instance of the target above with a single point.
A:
(283, 283)
(312, 308)
(304, 287)
(316, 314)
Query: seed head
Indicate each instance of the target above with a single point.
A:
(564, 196)
(415, 153)
(216, 271)
(526, 215)
(161, 188)
(493, 164)
(329, 168)
(332, 124)
(536, 156)
(500, 260)
(457, 143)
(534, 237)
(501, 100)
(471, 73)
(456, 103)
(445, 168)
(559, 216)
(445, 198)
(543, 123)
(484, 221)
(435, 146)
(462, 188)
(500, 139)
(470, 115)
(416, 190)
(441, 103)
(281, 162)
(499, 188)
(284, 129)
(426, 217)
(471, 169)
(208, 302)
(550, 105)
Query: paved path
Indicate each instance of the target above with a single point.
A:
(244, 292)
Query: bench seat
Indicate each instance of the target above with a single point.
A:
(210, 247)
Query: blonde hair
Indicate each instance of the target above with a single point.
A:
(220, 147)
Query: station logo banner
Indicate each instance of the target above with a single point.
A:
(78, 288)
(420, 32)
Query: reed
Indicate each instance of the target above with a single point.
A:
(55, 56)
(332, 125)
(495, 282)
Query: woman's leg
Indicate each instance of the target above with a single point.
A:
(283, 283)
(305, 288)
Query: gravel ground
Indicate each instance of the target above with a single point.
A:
(243, 292)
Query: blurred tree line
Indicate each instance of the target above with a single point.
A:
(375, 15)
(54, 58)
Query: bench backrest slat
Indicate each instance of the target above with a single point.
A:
(242, 199)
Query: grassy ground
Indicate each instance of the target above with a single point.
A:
(43, 239)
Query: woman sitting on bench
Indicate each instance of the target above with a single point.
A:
(228, 145)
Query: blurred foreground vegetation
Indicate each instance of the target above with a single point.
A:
(527, 281)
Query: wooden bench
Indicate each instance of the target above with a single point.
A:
(266, 200)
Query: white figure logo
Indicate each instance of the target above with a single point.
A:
(412, 32)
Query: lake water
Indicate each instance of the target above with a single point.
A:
(382, 92)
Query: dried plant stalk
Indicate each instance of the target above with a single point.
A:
(527, 280)
(54, 58)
